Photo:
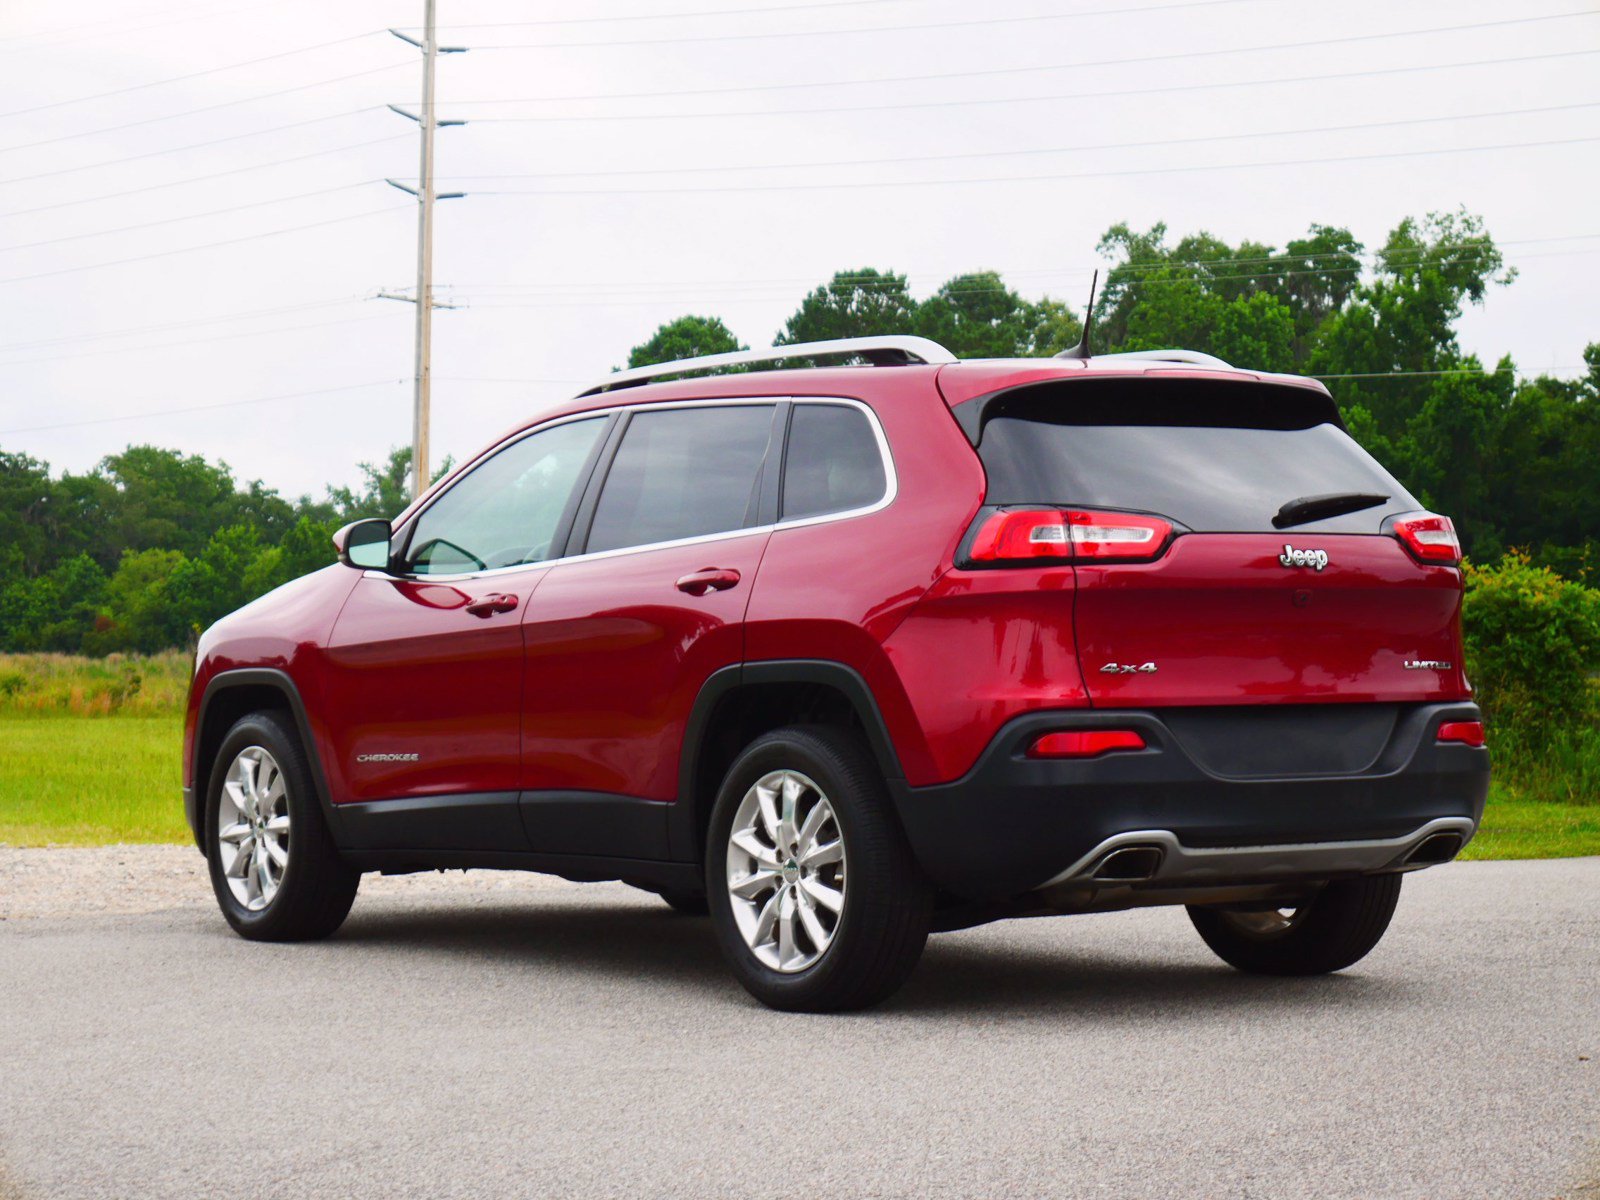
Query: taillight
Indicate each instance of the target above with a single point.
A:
(1084, 743)
(1031, 534)
(1468, 733)
(1100, 535)
(1018, 535)
(1430, 538)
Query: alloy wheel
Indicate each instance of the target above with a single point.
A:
(786, 871)
(253, 827)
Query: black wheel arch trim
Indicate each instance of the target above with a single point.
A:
(281, 682)
(684, 817)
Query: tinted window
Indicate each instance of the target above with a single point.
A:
(683, 473)
(506, 509)
(832, 462)
(1217, 459)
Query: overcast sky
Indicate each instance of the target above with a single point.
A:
(919, 116)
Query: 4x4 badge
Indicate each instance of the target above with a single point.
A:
(1148, 668)
(1315, 559)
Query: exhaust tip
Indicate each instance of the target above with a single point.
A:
(1439, 848)
(1128, 864)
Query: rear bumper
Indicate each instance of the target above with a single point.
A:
(1015, 824)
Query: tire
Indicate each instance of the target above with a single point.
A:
(314, 887)
(1337, 927)
(884, 906)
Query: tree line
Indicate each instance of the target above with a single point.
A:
(150, 546)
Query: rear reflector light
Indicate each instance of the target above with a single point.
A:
(1084, 743)
(1430, 538)
(1023, 535)
(1468, 733)
(1100, 535)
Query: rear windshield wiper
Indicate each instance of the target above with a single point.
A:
(1331, 504)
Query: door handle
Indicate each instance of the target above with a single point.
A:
(487, 606)
(708, 579)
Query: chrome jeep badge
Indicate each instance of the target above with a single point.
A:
(1315, 559)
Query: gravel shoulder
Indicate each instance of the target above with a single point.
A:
(129, 880)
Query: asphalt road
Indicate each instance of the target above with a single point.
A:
(582, 1040)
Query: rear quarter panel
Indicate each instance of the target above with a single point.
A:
(838, 590)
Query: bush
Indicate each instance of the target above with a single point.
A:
(1533, 649)
(71, 685)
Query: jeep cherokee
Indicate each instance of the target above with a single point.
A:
(850, 654)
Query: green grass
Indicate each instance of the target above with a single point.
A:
(1517, 828)
(83, 782)
(90, 781)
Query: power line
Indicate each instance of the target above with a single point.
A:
(137, 330)
(82, 32)
(989, 101)
(169, 412)
(479, 379)
(575, 300)
(859, 184)
(992, 21)
(1017, 20)
(219, 337)
(232, 137)
(215, 212)
(136, 87)
(612, 287)
(190, 112)
(155, 187)
(677, 16)
(945, 76)
(1082, 269)
(205, 246)
(917, 158)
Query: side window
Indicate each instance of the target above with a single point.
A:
(683, 472)
(832, 463)
(506, 509)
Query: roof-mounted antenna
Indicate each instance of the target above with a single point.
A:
(1081, 350)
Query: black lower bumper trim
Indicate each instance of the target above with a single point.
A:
(1013, 823)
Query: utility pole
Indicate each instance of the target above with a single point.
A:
(426, 124)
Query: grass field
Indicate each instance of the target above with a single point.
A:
(83, 781)
(89, 781)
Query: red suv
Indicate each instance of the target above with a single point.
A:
(852, 654)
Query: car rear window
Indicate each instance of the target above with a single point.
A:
(1214, 456)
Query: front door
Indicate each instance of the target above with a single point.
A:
(424, 687)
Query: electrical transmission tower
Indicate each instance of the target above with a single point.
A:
(426, 124)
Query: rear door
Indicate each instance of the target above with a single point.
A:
(622, 637)
(1208, 574)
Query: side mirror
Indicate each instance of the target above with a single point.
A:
(364, 544)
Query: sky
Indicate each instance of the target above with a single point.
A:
(194, 223)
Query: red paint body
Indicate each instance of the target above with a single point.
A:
(588, 683)
(615, 655)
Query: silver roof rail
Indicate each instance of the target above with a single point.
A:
(889, 350)
(1193, 357)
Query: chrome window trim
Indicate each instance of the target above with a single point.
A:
(891, 486)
